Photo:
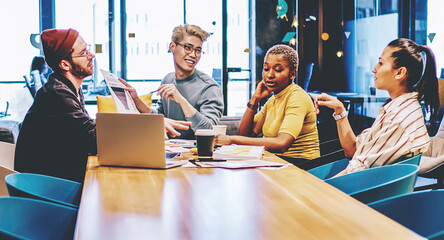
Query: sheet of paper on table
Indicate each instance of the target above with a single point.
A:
(237, 164)
(239, 152)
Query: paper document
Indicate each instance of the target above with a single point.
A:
(239, 152)
(236, 164)
(181, 143)
(122, 98)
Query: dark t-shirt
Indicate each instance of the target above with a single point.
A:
(57, 134)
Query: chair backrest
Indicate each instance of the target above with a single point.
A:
(7, 153)
(23, 218)
(36, 79)
(42, 187)
(29, 85)
(374, 184)
(3, 173)
(329, 170)
(106, 103)
(413, 160)
(421, 212)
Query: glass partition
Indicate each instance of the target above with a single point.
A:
(90, 18)
(374, 26)
(19, 40)
(435, 33)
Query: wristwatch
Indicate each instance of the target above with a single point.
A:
(252, 107)
(340, 115)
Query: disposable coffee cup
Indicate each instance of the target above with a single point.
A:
(220, 129)
(205, 142)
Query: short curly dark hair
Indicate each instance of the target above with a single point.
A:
(290, 54)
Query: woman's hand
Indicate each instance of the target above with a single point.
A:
(129, 88)
(261, 91)
(330, 102)
(222, 139)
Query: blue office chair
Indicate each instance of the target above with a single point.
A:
(42, 187)
(413, 160)
(330, 170)
(421, 212)
(374, 184)
(24, 218)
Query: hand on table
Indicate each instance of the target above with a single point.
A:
(222, 139)
(171, 126)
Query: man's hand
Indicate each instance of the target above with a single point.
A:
(170, 91)
(129, 88)
(171, 126)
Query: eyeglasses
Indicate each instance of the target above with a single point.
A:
(190, 48)
(87, 53)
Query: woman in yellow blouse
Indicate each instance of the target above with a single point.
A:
(287, 121)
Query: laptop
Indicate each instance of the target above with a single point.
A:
(132, 140)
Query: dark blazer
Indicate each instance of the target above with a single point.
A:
(57, 133)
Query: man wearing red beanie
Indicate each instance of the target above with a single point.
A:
(57, 133)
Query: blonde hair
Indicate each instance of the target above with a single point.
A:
(181, 31)
(289, 53)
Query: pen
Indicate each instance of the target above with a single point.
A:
(194, 162)
(154, 91)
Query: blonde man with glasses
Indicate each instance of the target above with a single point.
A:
(187, 93)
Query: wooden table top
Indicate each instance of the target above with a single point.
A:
(213, 203)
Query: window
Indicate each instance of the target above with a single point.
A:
(16, 41)
(435, 33)
(376, 25)
(148, 36)
(90, 18)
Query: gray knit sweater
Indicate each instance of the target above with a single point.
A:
(203, 93)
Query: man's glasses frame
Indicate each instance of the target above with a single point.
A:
(86, 54)
(190, 48)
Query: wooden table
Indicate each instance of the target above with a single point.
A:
(204, 203)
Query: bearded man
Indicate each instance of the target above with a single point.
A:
(57, 134)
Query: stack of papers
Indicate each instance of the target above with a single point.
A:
(181, 143)
(239, 152)
(237, 164)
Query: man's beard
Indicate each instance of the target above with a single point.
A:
(80, 71)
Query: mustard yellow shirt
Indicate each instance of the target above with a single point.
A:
(290, 111)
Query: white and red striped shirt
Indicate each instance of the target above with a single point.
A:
(398, 130)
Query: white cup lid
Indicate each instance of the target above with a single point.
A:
(204, 132)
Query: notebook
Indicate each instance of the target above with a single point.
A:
(132, 140)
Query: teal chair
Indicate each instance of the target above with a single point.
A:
(43, 187)
(330, 170)
(374, 184)
(25, 218)
(413, 160)
(421, 212)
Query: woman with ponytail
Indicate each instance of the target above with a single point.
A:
(407, 71)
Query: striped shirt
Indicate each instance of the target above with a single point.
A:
(398, 130)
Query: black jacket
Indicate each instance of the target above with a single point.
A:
(57, 133)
